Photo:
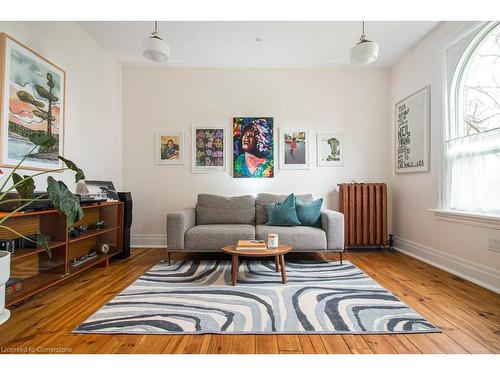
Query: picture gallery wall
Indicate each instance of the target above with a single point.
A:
(244, 131)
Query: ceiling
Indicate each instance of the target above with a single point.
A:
(281, 45)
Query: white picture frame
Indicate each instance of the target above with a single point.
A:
(161, 140)
(195, 167)
(412, 118)
(301, 153)
(326, 144)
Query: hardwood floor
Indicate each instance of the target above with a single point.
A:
(468, 315)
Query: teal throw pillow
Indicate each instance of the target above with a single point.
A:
(309, 213)
(282, 214)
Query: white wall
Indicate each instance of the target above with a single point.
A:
(457, 247)
(352, 101)
(93, 132)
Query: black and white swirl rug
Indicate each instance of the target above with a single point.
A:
(194, 297)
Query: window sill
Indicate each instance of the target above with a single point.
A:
(468, 218)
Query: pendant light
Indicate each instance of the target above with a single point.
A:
(154, 48)
(365, 51)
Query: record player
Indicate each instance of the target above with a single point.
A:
(94, 192)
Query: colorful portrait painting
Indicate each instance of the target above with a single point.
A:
(253, 147)
(329, 147)
(32, 103)
(209, 149)
(294, 149)
(170, 147)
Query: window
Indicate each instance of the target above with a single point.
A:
(472, 152)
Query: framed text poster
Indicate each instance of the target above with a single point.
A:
(412, 132)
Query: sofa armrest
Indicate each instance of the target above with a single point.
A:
(333, 224)
(177, 225)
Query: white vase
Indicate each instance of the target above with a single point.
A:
(4, 276)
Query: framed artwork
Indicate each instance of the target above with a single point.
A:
(253, 147)
(413, 118)
(209, 149)
(32, 101)
(294, 149)
(170, 147)
(330, 150)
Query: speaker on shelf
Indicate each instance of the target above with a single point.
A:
(126, 198)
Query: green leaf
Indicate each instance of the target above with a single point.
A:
(26, 186)
(44, 93)
(42, 139)
(79, 173)
(64, 201)
(28, 98)
(43, 241)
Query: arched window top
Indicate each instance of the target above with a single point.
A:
(472, 146)
(477, 86)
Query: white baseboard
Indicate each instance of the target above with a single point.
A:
(476, 273)
(148, 240)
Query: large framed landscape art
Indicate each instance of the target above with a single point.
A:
(32, 100)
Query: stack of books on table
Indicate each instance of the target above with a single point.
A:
(251, 245)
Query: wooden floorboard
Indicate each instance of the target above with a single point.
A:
(468, 315)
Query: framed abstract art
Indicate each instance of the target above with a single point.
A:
(294, 149)
(253, 147)
(170, 147)
(330, 150)
(209, 146)
(32, 102)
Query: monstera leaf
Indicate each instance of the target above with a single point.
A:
(64, 201)
(24, 186)
(42, 139)
(79, 173)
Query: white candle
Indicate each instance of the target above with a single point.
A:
(272, 241)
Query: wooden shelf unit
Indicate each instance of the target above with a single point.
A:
(40, 272)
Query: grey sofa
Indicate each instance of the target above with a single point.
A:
(218, 221)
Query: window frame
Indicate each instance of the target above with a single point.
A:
(444, 87)
(447, 83)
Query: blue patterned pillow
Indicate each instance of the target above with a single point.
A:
(309, 213)
(282, 214)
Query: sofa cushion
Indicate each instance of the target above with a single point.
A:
(216, 209)
(215, 236)
(300, 238)
(283, 213)
(309, 213)
(266, 198)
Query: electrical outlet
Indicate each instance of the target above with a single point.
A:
(494, 245)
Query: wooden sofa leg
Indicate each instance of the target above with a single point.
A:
(341, 258)
(168, 257)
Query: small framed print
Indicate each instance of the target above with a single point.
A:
(170, 147)
(330, 150)
(209, 145)
(294, 149)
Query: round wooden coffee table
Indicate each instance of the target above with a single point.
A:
(277, 253)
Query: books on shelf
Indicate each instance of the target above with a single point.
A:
(251, 245)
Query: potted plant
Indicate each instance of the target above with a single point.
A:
(57, 193)
(4, 276)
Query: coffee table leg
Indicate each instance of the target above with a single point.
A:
(276, 263)
(234, 269)
(283, 271)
